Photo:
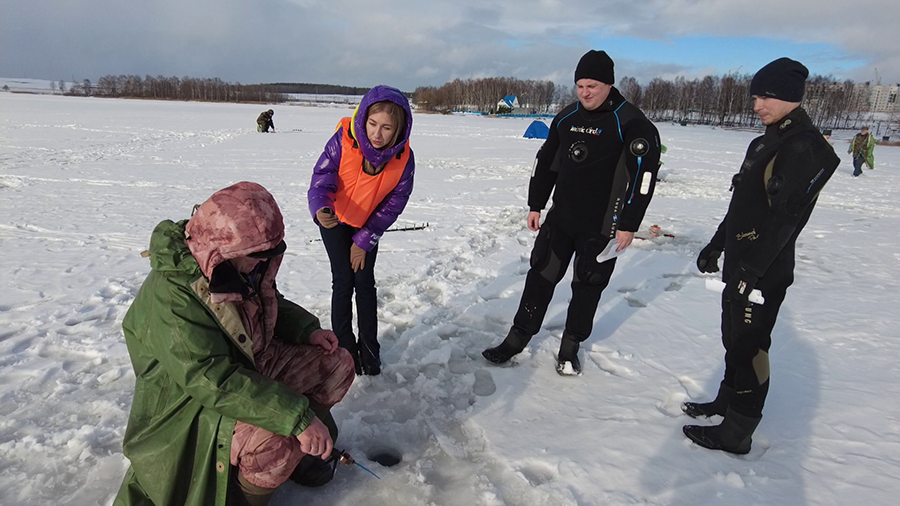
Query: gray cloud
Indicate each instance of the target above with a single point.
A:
(412, 43)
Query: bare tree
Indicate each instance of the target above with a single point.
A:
(482, 95)
(631, 90)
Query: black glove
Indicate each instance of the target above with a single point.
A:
(708, 259)
(739, 286)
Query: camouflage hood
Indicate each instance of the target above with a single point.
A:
(234, 222)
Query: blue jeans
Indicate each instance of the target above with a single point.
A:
(344, 282)
(858, 162)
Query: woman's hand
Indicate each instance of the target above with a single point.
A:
(357, 258)
(324, 339)
(326, 217)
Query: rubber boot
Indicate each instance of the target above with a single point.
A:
(708, 409)
(568, 355)
(733, 435)
(313, 471)
(248, 494)
(515, 342)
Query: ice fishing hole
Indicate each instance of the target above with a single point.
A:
(387, 457)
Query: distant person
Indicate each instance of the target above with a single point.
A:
(600, 161)
(827, 135)
(234, 382)
(264, 121)
(773, 196)
(862, 148)
(359, 187)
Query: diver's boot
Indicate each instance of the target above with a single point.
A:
(715, 407)
(733, 435)
(567, 363)
(515, 342)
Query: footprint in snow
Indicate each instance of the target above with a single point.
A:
(605, 364)
(538, 473)
(633, 302)
(671, 407)
(484, 383)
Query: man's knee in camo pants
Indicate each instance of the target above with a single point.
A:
(266, 459)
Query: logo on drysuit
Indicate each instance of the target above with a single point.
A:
(751, 235)
(585, 130)
(748, 313)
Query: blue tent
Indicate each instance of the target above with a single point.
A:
(537, 130)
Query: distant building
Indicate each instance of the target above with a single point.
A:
(509, 101)
(882, 98)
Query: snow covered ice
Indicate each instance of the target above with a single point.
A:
(84, 181)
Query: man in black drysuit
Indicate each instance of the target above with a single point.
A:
(773, 196)
(601, 156)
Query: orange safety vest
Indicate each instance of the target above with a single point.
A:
(358, 193)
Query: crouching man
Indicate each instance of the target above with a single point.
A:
(234, 382)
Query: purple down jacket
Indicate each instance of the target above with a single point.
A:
(324, 184)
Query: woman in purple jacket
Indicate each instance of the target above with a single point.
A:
(359, 187)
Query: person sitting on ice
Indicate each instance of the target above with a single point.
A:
(234, 383)
(264, 121)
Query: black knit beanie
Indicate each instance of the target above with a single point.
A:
(596, 65)
(784, 79)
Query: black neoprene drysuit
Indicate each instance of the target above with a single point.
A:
(601, 168)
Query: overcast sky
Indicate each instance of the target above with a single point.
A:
(417, 43)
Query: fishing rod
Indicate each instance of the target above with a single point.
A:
(422, 226)
(344, 458)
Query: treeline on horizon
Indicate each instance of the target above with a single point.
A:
(174, 88)
(712, 100)
(203, 89)
(483, 95)
(318, 89)
(726, 101)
